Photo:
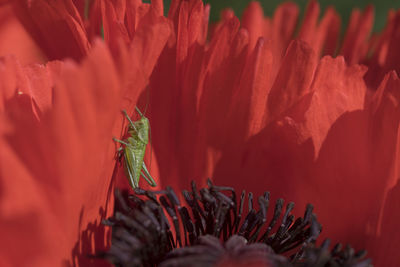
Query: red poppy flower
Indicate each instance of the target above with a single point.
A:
(250, 103)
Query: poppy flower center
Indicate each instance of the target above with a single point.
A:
(216, 227)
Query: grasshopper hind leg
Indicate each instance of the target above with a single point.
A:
(132, 181)
(147, 176)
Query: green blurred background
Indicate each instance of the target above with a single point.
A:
(344, 7)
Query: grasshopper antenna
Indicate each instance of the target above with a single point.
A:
(138, 111)
(147, 100)
(147, 104)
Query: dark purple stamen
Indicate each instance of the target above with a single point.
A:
(211, 230)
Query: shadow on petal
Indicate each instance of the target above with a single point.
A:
(93, 239)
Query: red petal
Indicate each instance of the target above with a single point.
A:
(255, 83)
(219, 80)
(40, 83)
(294, 78)
(355, 44)
(15, 39)
(179, 62)
(323, 35)
(135, 11)
(65, 166)
(283, 26)
(113, 27)
(253, 22)
(80, 6)
(386, 56)
(137, 63)
(329, 28)
(337, 89)
(274, 160)
(10, 83)
(56, 26)
(307, 31)
(23, 211)
(358, 155)
(383, 249)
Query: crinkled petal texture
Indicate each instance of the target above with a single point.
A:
(68, 28)
(255, 110)
(56, 26)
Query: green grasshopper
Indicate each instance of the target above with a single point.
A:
(134, 149)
